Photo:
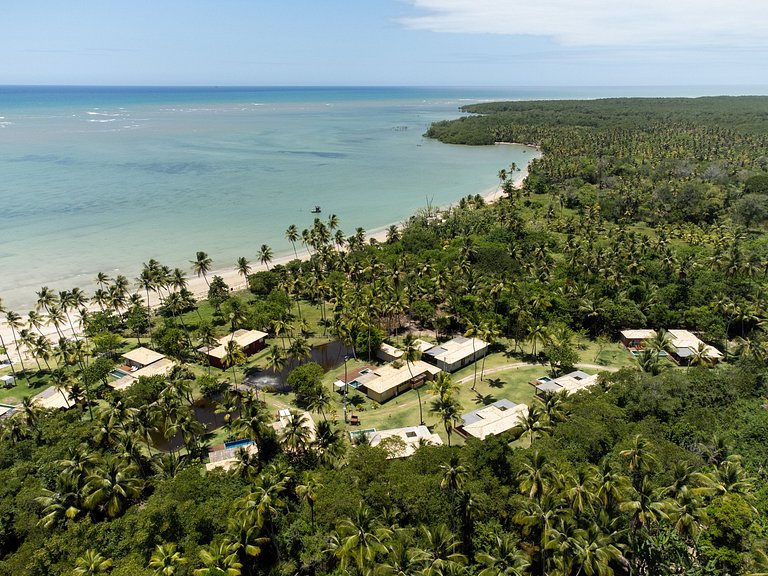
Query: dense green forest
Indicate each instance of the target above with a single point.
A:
(640, 213)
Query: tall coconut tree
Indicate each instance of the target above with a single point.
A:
(411, 353)
(293, 236)
(243, 267)
(265, 255)
(14, 322)
(201, 265)
(4, 310)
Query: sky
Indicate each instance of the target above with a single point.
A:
(385, 42)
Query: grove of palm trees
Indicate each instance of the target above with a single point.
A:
(640, 213)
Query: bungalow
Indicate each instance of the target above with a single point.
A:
(140, 357)
(636, 338)
(403, 442)
(141, 362)
(685, 345)
(491, 420)
(457, 353)
(384, 382)
(249, 341)
(568, 383)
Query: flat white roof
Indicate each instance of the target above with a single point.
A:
(457, 349)
(160, 368)
(639, 334)
(412, 436)
(143, 356)
(493, 420)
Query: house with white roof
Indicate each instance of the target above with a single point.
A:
(403, 442)
(685, 345)
(492, 420)
(568, 383)
(457, 353)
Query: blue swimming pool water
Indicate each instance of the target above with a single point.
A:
(237, 443)
(117, 373)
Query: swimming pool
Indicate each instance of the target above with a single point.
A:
(237, 443)
(355, 384)
(117, 373)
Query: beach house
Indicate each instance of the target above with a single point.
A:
(568, 383)
(381, 383)
(402, 442)
(456, 353)
(249, 342)
(636, 338)
(491, 420)
(140, 362)
(686, 345)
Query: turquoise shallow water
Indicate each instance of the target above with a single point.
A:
(102, 179)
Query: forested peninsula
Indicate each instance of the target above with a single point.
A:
(641, 215)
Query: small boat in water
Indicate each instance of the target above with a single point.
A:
(316, 210)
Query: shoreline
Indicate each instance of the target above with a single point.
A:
(198, 286)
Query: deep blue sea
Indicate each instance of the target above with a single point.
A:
(104, 178)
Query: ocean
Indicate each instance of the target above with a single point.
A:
(104, 178)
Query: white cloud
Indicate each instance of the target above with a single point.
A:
(603, 22)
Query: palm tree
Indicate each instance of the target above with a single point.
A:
(243, 268)
(219, 560)
(504, 559)
(92, 563)
(233, 357)
(4, 310)
(275, 359)
(360, 539)
(265, 255)
(532, 424)
(454, 476)
(110, 485)
(295, 437)
(439, 556)
(165, 560)
(14, 322)
(293, 236)
(449, 409)
(473, 331)
(201, 265)
(411, 354)
(307, 491)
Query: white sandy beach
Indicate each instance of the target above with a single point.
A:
(199, 287)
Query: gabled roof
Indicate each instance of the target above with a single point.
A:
(386, 377)
(243, 338)
(687, 343)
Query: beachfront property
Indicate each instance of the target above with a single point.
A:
(492, 420)
(140, 362)
(401, 442)
(381, 383)
(568, 383)
(685, 344)
(635, 339)
(249, 342)
(455, 354)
